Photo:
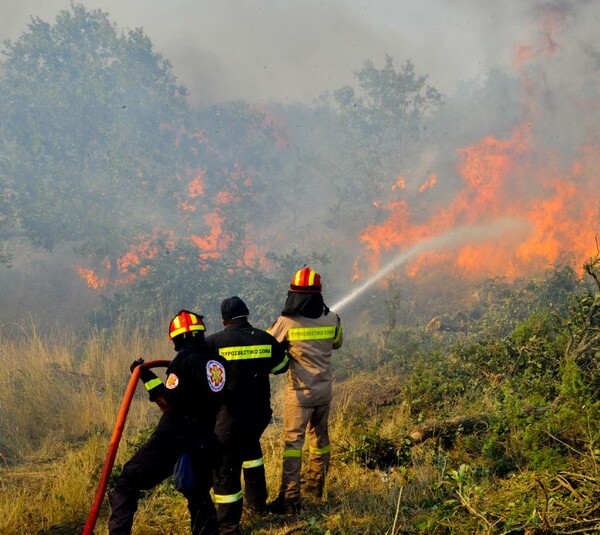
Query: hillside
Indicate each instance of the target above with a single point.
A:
(484, 426)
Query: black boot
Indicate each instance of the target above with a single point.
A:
(283, 506)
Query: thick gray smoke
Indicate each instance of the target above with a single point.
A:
(533, 64)
(267, 50)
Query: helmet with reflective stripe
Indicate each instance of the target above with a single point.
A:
(306, 280)
(185, 322)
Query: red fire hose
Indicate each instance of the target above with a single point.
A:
(88, 529)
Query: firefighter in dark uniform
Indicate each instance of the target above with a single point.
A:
(190, 400)
(251, 354)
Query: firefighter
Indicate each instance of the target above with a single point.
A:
(190, 399)
(312, 331)
(251, 355)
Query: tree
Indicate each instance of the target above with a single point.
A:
(237, 149)
(88, 122)
(98, 148)
(380, 121)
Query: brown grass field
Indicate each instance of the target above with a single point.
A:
(58, 407)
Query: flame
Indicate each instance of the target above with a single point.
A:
(224, 197)
(514, 177)
(429, 183)
(400, 183)
(197, 214)
(127, 266)
(502, 178)
(276, 124)
(90, 277)
(144, 250)
(215, 241)
(201, 221)
(195, 190)
(187, 207)
(196, 186)
(551, 22)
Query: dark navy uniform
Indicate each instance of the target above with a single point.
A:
(190, 398)
(251, 354)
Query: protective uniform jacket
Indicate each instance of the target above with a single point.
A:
(251, 355)
(194, 390)
(311, 341)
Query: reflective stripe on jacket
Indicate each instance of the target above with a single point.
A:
(311, 341)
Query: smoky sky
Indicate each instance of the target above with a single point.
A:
(269, 50)
(285, 51)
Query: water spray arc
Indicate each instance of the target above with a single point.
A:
(448, 239)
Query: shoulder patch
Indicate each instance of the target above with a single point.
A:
(172, 381)
(215, 373)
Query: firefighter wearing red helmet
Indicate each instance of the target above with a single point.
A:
(312, 332)
(190, 399)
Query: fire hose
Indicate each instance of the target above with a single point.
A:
(88, 529)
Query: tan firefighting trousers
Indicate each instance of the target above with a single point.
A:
(297, 423)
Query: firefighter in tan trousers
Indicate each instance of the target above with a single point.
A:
(311, 331)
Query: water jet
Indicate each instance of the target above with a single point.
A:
(453, 237)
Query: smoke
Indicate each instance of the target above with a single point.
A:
(517, 133)
(266, 50)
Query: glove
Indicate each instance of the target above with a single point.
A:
(135, 364)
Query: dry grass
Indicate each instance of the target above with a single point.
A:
(60, 389)
(57, 413)
(58, 408)
(50, 489)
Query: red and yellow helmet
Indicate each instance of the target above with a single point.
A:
(306, 280)
(185, 322)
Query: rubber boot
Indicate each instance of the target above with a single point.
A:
(255, 494)
(283, 506)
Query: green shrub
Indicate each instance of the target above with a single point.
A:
(366, 447)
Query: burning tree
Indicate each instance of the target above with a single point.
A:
(381, 123)
(539, 198)
(100, 150)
